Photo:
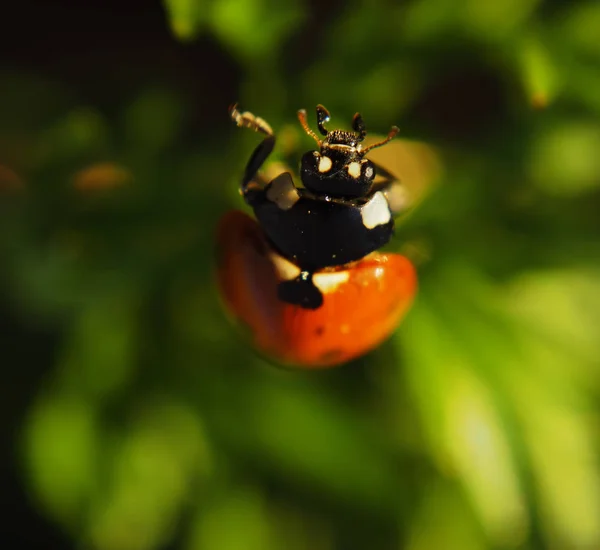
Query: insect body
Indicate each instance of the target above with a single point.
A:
(305, 276)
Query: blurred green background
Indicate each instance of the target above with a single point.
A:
(134, 417)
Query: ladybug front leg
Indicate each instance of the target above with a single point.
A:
(392, 188)
(260, 154)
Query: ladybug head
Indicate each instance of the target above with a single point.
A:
(338, 168)
(339, 142)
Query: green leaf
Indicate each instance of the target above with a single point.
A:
(255, 29)
(538, 71)
(565, 159)
(153, 467)
(187, 17)
(61, 451)
(580, 27)
(463, 425)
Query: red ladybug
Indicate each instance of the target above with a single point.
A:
(305, 277)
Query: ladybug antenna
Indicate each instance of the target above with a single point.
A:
(359, 127)
(322, 117)
(304, 123)
(391, 135)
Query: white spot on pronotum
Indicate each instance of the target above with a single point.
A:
(328, 281)
(354, 170)
(286, 270)
(324, 164)
(283, 192)
(369, 172)
(376, 211)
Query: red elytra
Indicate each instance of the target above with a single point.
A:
(363, 302)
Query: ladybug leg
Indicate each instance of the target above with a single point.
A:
(301, 291)
(249, 186)
(392, 188)
(388, 178)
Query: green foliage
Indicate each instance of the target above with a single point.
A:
(252, 30)
(475, 427)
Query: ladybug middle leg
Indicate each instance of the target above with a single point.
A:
(392, 188)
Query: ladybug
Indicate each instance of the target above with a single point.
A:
(304, 275)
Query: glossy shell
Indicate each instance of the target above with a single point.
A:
(363, 303)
